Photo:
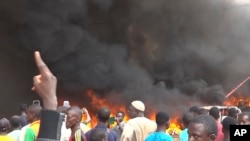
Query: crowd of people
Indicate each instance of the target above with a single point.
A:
(64, 123)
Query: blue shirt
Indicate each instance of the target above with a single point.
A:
(159, 136)
(112, 136)
(184, 135)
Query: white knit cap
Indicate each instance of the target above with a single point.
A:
(139, 105)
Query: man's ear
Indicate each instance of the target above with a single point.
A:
(212, 137)
(167, 124)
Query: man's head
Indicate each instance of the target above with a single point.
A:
(194, 110)
(98, 134)
(162, 119)
(120, 116)
(74, 116)
(136, 109)
(33, 113)
(202, 111)
(4, 125)
(244, 118)
(232, 112)
(202, 128)
(103, 114)
(15, 122)
(187, 117)
(214, 112)
(23, 107)
(226, 122)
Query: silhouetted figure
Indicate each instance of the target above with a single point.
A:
(98, 134)
(244, 118)
(186, 119)
(162, 121)
(15, 123)
(226, 122)
(103, 115)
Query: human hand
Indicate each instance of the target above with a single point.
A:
(45, 84)
(84, 110)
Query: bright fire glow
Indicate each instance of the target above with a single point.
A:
(235, 100)
(97, 102)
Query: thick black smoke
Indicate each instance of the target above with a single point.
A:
(173, 53)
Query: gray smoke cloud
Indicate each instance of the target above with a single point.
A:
(172, 53)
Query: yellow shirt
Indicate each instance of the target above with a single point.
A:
(32, 131)
(6, 138)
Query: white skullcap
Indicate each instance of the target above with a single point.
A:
(139, 105)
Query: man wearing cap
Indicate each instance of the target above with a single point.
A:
(138, 127)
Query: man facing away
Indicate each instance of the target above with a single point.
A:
(187, 117)
(215, 113)
(103, 115)
(138, 127)
(226, 122)
(162, 121)
(98, 134)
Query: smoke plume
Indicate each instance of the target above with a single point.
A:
(173, 53)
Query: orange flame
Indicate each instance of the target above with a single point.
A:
(175, 127)
(238, 100)
(97, 102)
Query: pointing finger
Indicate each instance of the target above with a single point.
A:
(42, 67)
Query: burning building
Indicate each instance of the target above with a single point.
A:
(166, 53)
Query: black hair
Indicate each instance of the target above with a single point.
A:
(76, 110)
(194, 109)
(226, 122)
(232, 112)
(36, 109)
(209, 123)
(215, 112)
(97, 134)
(187, 117)
(15, 121)
(202, 111)
(23, 107)
(4, 125)
(103, 114)
(161, 118)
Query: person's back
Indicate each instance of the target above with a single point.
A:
(103, 115)
(4, 128)
(226, 126)
(162, 120)
(215, 113)
(232, 112)
(138, 127)
(98, 134)
(187, 117)
(15, 122)
(23, 108)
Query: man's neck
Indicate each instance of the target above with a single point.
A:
(140, 115)
(75, 128)
(161, 129)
